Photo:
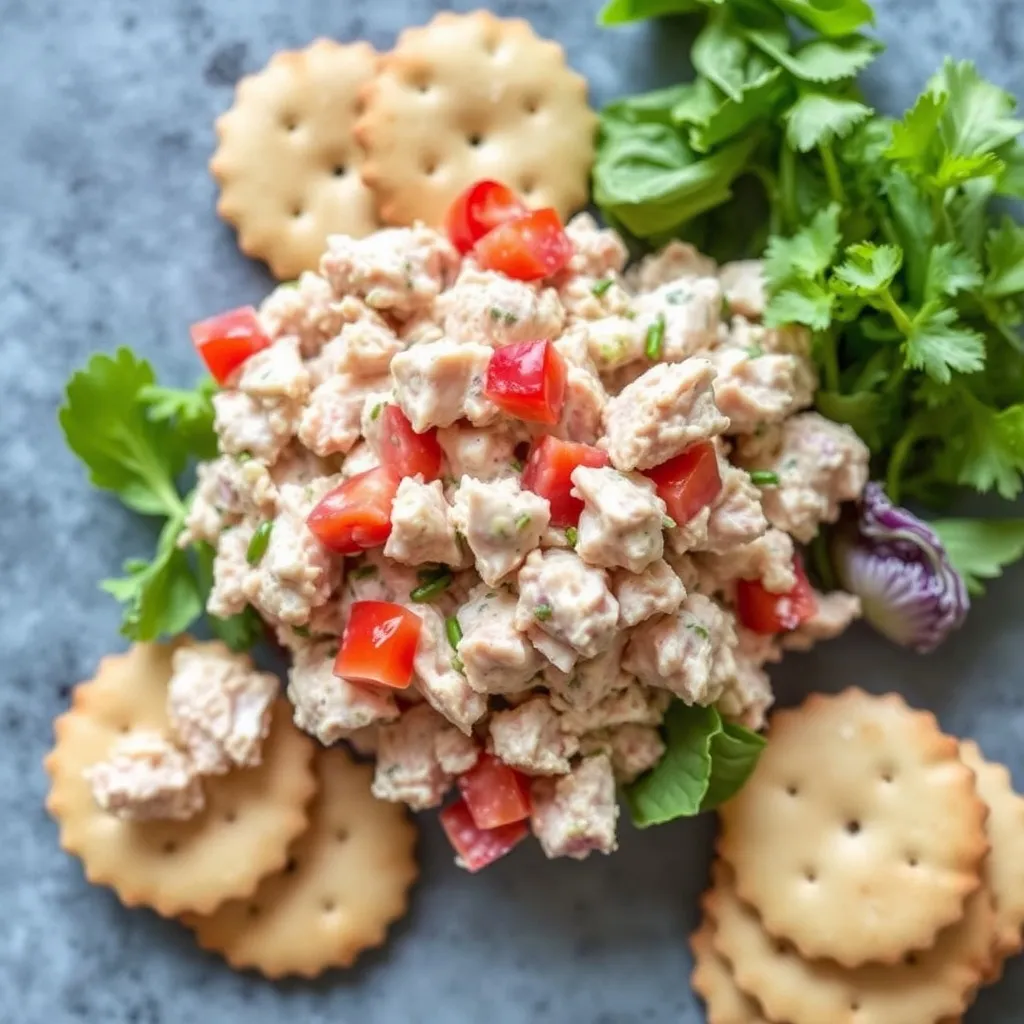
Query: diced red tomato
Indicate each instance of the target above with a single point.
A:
(357, 514)
(480, 209)
(225, 341)
(494, 793)
(527, 380)
(764, 612)
(688, 482)
(478, 847)
(548, 472)
(527, 248)
(379, 644)
(405, 451)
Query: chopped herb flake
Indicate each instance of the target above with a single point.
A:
(363, 572)
(655, 338)
(499, 315)
(700, 630)
(375, 411)
(454, 631)
(572, 535)
(517, 465)
(457, 664)
(432, 588)
(523, 520)
(764, 478)
(260, 539)
(543, 612)
(677, 296)
(668, 523)
(598, 288)
(243, 457)
(755, 352)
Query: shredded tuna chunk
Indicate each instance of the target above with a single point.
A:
(655, 591)
(456, 753)
(735, 516)
(662, 412)
(501, 523)
(295, 575)
(748, 695)
(567, 600)
(589, 681)
(678, 260)
(633, 749)
(275, 373)
(309, 311)
(482, 454)
(420, 530)
(492, 309)
(327, 706)
(408, 770)
(768, 559)
(616, 341)
(834, 614)
(743, 285)
(820, 464)
(227, 488)
(622, 520)
(437, 676)
(146, 778)
(248, 426)
(400, 271)
(360, 459)
(331, 421)
(596, 251)
(593, 298)
(632, 705)
(577, 813)
(496, 656)
(441, 382)
(756, 389)
(231, 570)
(529, 738)
(585, 399)
(688, 653)
(219, 707)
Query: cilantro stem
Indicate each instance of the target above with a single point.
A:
(892, 307)
(787, 187)
(826, 345)
(900, 453)
(832, 175)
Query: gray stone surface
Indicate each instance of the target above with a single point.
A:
(108, 236)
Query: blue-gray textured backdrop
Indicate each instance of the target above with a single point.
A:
(108, 236)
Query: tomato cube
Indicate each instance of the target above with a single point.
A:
(379, 644)
(688, 482)
(227, 340)
(405, 451)
(478, 847)
(526, 248)
(479, 210)
(495, 793)
(763, 612)
(527, 380)
(357, 514)
(548, 472)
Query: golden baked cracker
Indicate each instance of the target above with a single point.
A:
(347, 880)
(712, 980)
(859, 835)
(473, 96)
(924, 988)
(251, 815)
(288, 163)
(1004, 867)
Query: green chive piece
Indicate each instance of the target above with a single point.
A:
(457, 664)
(375, 411)
(543, 612)
(454, 631)
(363, 572)
(523, 520)
(572, 535)
(668, 523)
(431, 589)
(598, 288)
(517, 465)
(243, 457)
(764, 478)
(260, 539)
(655, 339)
(700, 630)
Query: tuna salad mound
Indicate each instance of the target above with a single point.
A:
(504, 506)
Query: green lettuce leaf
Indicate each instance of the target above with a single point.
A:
(980, 549)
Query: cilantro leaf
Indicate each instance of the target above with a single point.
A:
(868, 269)
(951, 271)
(803, 302)
(729, 117)
(830, 17)
(817, 119)
(939, 348)
(989, 450)
(807, 254)
(706, 762)
(980, 549)
(106, 426)
(720, 53)
(914, 138)
(161, 597)
(1004, 251)
(189, 412)
(821, 60)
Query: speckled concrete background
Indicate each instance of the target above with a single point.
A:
(107, 236)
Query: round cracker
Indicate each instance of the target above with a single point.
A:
(925, 988)
(712, 980)
(859, 834)
(1004, 868)
(251, 815)
(347, 880)
(472, 96)
(288, 163)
